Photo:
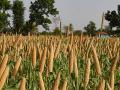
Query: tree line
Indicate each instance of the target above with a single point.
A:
(40, 11)
(113, 18)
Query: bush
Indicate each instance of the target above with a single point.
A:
(57, 31)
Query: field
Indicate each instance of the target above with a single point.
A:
(59, 63)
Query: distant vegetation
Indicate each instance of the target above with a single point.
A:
(113, 17)
(40, 11)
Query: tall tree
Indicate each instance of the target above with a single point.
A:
(113, 17)
(40, 10)
(18, 16)
(90, 28)
(4, 7)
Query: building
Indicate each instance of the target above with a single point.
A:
(102, 34)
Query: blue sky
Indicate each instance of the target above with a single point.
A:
(80, 12)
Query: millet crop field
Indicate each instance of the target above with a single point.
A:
(59, 63)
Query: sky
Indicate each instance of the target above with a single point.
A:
(80, 12)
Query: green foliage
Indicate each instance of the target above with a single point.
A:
(57, 31)
(45, 33)
(77, 32)
(90, 28)
(40, 10)
(113, 17)
(4, 6)
(18, 16)
(29, 27)
(3, 20)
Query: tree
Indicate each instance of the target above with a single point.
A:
(90, 28)
(45, 33)
(113, 17)
(28, 28)
(57, 31)
(77, 32)
(18, 16)
(4, 7)
(40, 10)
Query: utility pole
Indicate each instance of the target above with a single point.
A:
(102, 22)
(61, 27)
